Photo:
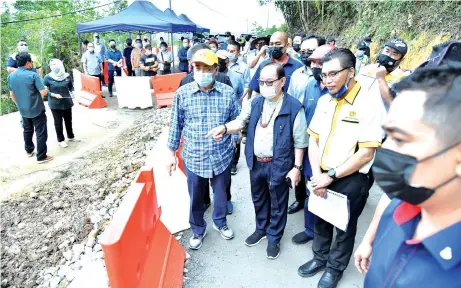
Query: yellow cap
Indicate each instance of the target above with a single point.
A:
(205, 56)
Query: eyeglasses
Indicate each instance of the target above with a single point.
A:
(268, 83)
(333, 74)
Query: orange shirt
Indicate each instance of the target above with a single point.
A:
(135, 56)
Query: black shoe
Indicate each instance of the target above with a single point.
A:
(329, 280)
(254, 239)
(103, 96)
(301, 238)
(273, 250)
(234, 170)
(110, 95)
(295, 207)
(310, 268)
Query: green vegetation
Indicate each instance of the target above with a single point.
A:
(418, 22)
(259, 31)
(49, 38)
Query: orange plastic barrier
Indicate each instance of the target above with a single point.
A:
(106, 72)
(91, 94)
(178, 155)
(164, 88)
(139, 250)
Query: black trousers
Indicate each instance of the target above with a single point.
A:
(300, 190)
(39, 125)
(58, 116)
(356, 188)
(236, 158)
(130, 70)
(111, 79)
(207, 198)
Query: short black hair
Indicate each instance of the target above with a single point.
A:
(234, 43)
(345, 56)
(129, 40)
(247, 38)
(112, 40)
(442, 107)
(161, 37)
(198, 47)
(85, 42)
(213, 42)
(22, 58)
(138, 40)
(182, 38)
(300, 34)
(22, 40)
(278, 69)
(147, 46)
(320, 39)
(163, 43)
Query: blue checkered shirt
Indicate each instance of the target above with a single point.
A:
(194, 114)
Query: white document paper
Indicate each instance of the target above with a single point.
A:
(334, 209)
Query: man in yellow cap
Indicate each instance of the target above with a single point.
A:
(199, 106)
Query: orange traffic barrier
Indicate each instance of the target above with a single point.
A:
(91, 94)
(106, 72)
(180, 160)
(139, 250)
(164, 88)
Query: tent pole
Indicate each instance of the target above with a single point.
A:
(172, 48)
(79, 44)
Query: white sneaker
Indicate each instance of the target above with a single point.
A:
(74, 140)
(63, 144)
(196, 241)
(225, 231)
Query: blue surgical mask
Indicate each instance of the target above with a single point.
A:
(214, 50)
(342, 90)
(231, 57)
(203, 79)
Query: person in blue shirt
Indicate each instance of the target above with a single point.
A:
(198, 106)
(26, 91)
(114, 57)
(417, 241)
(182, 56)
(278, 54)
(314, 90)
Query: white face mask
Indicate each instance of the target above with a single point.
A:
(268, 92)
(185, 45)
(91, 49)
(163, 48)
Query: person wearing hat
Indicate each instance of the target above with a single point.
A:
(361, 57)
(258, 53)
(276, 141)
(314, 90)
(198, 106)
(145, 41)
(367, 41)
(194, 42)
(381, 76)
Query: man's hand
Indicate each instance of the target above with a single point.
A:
(381, 72)
(362, 257)
(319, 184)
(263, 50)
(171, 164)
(57, 96)
(217, 133)
(295, 176)
(72, 94)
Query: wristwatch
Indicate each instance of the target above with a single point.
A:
(300, 168)
(332, 174)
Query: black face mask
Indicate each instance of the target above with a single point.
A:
(392, 172)
(222, 66)
(112, 46)
(296, 47)
(387, 62)
(317, 73)
(305, 58)
(276, 52)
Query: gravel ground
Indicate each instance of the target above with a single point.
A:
(45, 235)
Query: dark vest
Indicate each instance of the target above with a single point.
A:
(283, 158)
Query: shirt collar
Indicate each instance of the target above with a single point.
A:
(443, 245)
(351, 95)
(285, 62)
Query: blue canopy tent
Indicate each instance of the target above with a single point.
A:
(139, 16)
(200, 29)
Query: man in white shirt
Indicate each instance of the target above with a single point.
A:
(164, 59)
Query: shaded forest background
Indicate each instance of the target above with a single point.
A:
(421, 24)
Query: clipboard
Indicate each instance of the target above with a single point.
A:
(334, 209)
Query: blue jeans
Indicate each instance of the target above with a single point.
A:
(270, 201)
(197, 187)
(39, 125)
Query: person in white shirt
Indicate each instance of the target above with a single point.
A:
(164, 59)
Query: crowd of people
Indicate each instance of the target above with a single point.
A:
(311, 112)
